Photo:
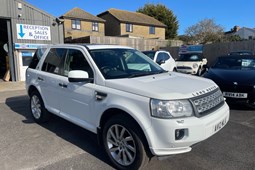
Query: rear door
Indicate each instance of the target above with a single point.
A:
(49, 77)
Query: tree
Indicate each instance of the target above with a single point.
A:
(231, 38)
(164, 15)
(205, 31)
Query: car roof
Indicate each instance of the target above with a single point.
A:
(155, 51)
(105, 46)
(240, 52)
(91, 46)
(238, 56)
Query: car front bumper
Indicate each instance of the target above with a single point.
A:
(162, 139)
(187, 71)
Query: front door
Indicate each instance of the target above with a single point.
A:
(77, 99)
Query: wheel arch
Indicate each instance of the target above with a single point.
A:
(111, 112)
(31, 89)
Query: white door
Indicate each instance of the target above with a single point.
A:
(25, 57)
(77, 99)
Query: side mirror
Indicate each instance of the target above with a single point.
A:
(161, 62)
(79, 76)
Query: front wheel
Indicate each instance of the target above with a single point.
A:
(123, 143)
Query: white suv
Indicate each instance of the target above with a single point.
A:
(163, 58)
(137, 109)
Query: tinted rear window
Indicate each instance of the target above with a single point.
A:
(36, 58)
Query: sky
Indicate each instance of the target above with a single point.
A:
(226, 13)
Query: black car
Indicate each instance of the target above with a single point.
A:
(235, 75)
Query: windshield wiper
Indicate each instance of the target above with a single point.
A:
(146, 73)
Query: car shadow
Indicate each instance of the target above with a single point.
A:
(70, 132)
(238, 106)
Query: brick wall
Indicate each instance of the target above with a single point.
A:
(112, 25)
(86, 29)
(143, 31)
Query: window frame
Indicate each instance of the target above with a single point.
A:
(129, 27)
(152, 30)
(75, 23)
(59, 65)
(67, 56)
(95, 26)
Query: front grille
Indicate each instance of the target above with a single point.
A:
(208, 102)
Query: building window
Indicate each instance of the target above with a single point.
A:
(129, 27)
(76, 24)
(95, 26)
(250, 37)
(152, 30)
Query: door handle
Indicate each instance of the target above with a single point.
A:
(62, 85)
(40, 79)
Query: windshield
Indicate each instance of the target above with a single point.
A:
(150, 54)
(235, 63)
(124, 63)
(190, 57)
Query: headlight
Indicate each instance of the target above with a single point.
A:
(171, 109)
(195, 65)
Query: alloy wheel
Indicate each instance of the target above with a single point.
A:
(36, 107)
(121, 145)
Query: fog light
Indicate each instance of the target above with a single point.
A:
(179, 134)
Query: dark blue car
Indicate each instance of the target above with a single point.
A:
(235, 75)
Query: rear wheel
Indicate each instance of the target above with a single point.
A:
(123, 143)
(38, 111)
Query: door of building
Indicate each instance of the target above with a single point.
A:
(25, 57)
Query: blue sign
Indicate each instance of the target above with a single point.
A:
(28, 46)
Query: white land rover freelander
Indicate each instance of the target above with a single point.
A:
(136, 108)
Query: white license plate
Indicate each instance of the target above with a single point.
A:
(220, 125)
(235, 95)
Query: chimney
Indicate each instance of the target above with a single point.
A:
(236, 28)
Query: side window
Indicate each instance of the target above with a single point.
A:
(161, 57)
(166, 56)
(75, 60)
(36, 58)
(52, 62)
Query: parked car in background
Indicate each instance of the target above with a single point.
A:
(191, 63)
(235, 75)
(163, 58)
(243, 52)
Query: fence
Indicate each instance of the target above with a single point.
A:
(138, 43)
(212, 51)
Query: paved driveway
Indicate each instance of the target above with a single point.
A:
(62, 145)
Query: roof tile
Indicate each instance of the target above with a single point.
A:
(133, 17)
(78, 13)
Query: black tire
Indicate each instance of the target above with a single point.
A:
(38, 111)
(128, 143)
